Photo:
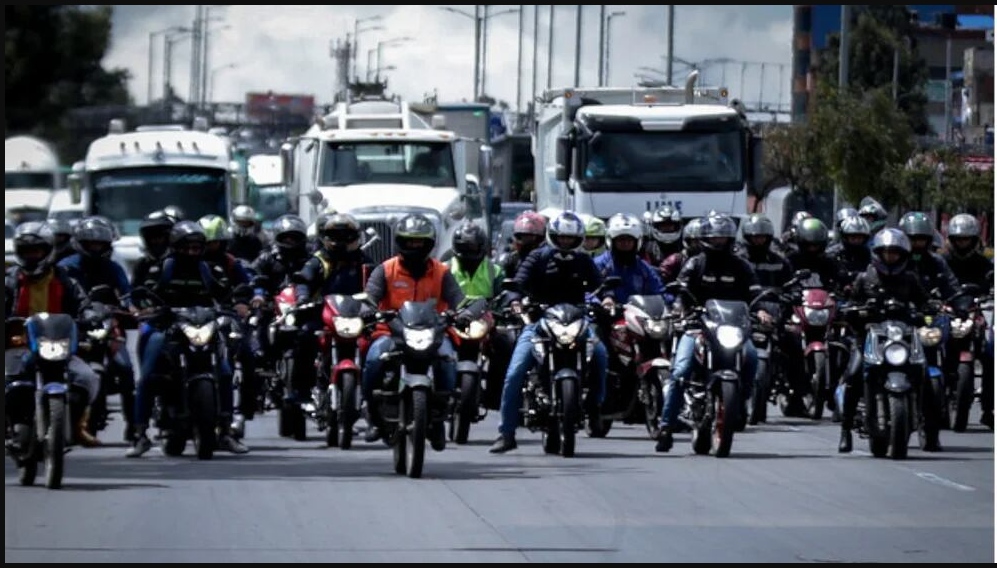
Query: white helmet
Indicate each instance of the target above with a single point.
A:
(567, 224)
(624, 225)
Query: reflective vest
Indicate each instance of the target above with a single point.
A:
(403, 288)
(479, 285)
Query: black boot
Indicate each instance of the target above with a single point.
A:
(665, 441)
(504, 444)
(845, 445)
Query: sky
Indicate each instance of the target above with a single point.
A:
(286, 49)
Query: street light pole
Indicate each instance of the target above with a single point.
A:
(519, 62)
(356, 38)
(168, 41)
(536, 49)
(152, 50)
(609, 45)
(578, 46)
(602, 45)
(550, 49)
(671, 42)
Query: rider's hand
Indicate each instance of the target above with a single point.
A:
(765, 317)
(609, 304)
(257, 302)
(517, 307)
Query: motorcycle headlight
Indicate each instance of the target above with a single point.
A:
(199, 336)
(929, 336)
(348, 328)
(817, 316)
(476, 331)
(566, 334)
(896, 354)
(656, 329)
(894, 333)
(98, 334)
(961, 328)
(284, 308)
(54, 351)
(419, 339)
(291, 320)
(730, 337)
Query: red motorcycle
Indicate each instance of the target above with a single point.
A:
(342, 343)
(813, 320)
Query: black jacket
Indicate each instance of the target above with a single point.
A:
(278, 269)
(934, 273)
(850, 261)
(549, 277)
(724, 276)
(771, 268)
(74, 298)
(324, 275)
(971, 270)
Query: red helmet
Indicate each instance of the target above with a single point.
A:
(530, 223)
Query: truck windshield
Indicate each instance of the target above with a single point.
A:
(126, 196)
(415, 163)
(22, 180)
(669, 161)
(270, 201)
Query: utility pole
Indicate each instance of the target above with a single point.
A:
(484, 51)
(602, 45)
(195, 57)
(477, 51)
(550, 50)
(536, 50)
(519, 62)
(578, 46)
(671, 43)
(846, 16)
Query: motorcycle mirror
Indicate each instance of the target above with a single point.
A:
(510, 285)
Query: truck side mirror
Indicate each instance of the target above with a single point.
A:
(75, 182)
(473, 184)
(562, 168)
(287, 163)
(496, 206)
(756, 152)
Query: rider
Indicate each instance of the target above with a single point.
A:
(248, 240)
(665, 229)
(595, 235)
(477, 276)
(528, 234)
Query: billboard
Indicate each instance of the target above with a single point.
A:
(265, 107)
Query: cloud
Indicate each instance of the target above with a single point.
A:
(286, 48)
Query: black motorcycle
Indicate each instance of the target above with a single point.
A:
(407, 397)
(473, 327)
(102, 326)
(714, 396)
(39, 405)
(963, 347)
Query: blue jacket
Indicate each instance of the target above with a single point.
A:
(639, 278)
(93, 273)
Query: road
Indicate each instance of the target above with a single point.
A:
(784, 496)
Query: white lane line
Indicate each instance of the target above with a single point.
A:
(932, 478)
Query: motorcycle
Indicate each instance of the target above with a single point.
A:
(407, 397)
(473, 328)
(963, 347)
(642, 346)
(814, 314)
(714, 396)
(39, 408)
(341, 344)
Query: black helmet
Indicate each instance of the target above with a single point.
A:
(718, 227)
(34, 247)
(290, 235)
(470, 242)
(415, 238)
(890, 239)
(758, 225)
(811, 233)
(340, 233)
(964, 226)
(94, 238)
(185, 238)
(174, 212)
(155, 233)
(62, 233)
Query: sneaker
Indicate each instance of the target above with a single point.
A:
(232, 446)
(503, 444)
(141, 447)
(438, 437)
(845, 445)
(239, 427)
(665, 441)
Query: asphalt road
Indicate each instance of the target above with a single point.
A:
(784, 496)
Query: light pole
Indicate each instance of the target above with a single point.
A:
(609, 44)
(152, 43)
(380, 48)
(550, 48)
(484, 43)
(206, 55)
(578, 46)
(168, 41)
(480, 41)
(602, 45)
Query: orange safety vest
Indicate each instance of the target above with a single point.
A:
(402, 287)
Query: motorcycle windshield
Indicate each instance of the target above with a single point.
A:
(345, 306)
(653, 306)
(723, 312)
(419, 315)
(564, 314)
(197, 316)
(55, 327)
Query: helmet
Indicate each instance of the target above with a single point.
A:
(94, 238)
(873, 212)
(890, 239)
(718, 227)
(34, 247)
(692, 233)
(415, 238)
(813, 232)
(595, 235)
(758, 225)
(62, 232)
(528, 231)
(851, 226)
(917, 224)
(624, 225)
(174, 213)
(567, 224)
(155, 233)
(187, 239)
(666, 225)
(964, 226)
(470, 242)
(799, 218)
(340, 233)
(290, 235)
(845, 213)
(245, 221)
(215, 229)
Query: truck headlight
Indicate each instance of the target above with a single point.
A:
(896, 354)
(53, 351)
(730, 337)
(419, 339)
(199, 336)
(348, 328)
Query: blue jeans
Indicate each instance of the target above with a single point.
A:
(152, 342)
(523, 362)
(444, 370)
(685, 364)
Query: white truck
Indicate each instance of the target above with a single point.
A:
(31, 175)
(607, 150)
(378, 161)
(127, 175)
(266, 191)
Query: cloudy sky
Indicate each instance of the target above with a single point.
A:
(286, 48)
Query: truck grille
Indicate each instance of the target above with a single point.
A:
(382, 249)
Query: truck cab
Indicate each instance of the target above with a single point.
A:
(31, 176)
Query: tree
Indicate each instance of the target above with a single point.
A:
(878, 33)
(792, 155)
(53, 65)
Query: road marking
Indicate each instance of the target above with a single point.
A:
(932, 478)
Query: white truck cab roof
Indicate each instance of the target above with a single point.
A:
(28, 154)
(167, 146)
